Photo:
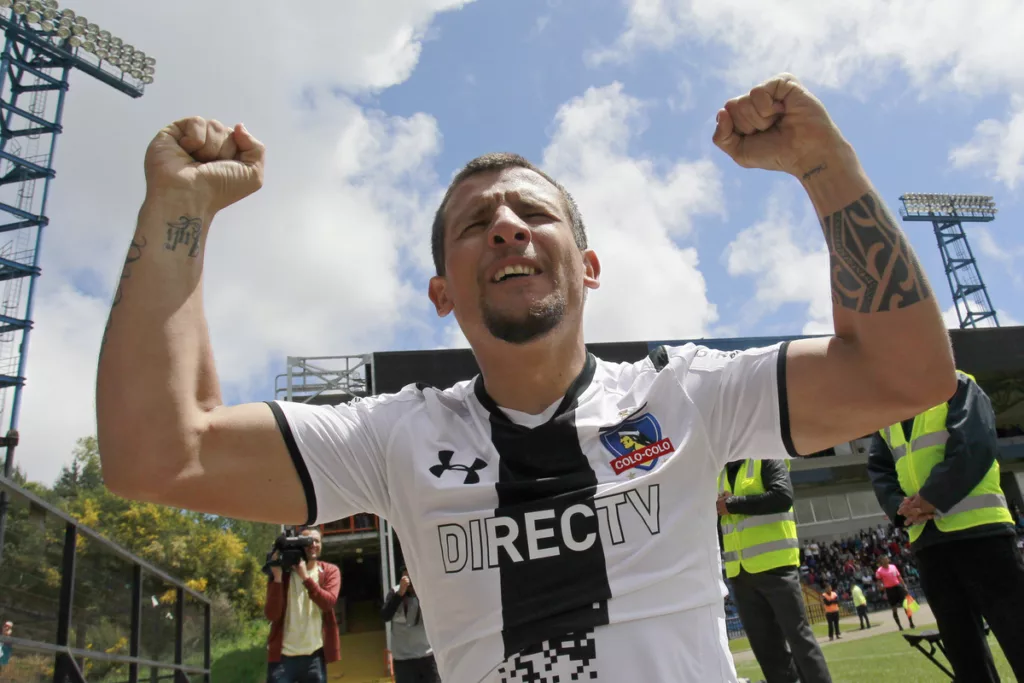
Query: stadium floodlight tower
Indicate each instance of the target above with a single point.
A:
(947, 213)
(43, 44)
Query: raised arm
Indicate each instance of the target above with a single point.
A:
(890, 356)
(164, 434)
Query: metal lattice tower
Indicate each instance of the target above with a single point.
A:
(43, 44)
(947, 213)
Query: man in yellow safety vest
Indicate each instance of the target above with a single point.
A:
(936, 475)
(762, 561)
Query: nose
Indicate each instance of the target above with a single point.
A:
(508, 229)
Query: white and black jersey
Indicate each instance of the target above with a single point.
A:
(576, 545)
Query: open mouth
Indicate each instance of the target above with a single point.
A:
(510, 272)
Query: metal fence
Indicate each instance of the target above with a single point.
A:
(85, 609)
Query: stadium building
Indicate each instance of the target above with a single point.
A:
(833, 495)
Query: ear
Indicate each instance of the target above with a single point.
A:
(438, 293)
(591, 270)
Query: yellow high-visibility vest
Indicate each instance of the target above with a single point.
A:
(756, 543)
(985, 504)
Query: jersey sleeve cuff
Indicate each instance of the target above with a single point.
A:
(297, 461)
(784, 426)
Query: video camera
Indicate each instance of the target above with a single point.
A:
(290, 551)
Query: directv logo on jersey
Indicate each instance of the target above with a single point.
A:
(481, 543)
(637, 442)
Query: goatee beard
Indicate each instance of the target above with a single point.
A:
(540, 320)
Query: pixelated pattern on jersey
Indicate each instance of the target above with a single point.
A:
(567, 659)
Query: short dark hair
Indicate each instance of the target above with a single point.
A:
(499, 161)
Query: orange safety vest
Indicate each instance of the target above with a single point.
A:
(831, 601)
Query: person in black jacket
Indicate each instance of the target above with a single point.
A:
(411, 654)
(974, 570)
(770, 603)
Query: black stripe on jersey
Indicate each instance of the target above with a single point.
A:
(297, 461)
(780, 372)
(544, 471)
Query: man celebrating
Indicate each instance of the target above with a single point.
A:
(544, 547)
(303, 629)
(762, 562)
(937, 475)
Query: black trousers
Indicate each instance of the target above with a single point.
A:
(421, 670)
(771, 607)
(862, 614)
(966, 581)
(833, 624)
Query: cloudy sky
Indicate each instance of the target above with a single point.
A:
(367, 107)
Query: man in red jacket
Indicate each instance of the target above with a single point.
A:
(303, 629)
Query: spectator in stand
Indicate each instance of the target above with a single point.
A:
(831, 602)
(895, 591)
(861, 603)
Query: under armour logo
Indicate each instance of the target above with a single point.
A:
(445, 458)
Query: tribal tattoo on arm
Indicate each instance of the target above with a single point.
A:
(873, 268)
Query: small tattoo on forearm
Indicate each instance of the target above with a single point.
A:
(815, 171)
(186, 231)
(873, 267)
(134, 254)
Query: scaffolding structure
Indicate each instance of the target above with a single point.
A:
(947, 213)
(43, 44)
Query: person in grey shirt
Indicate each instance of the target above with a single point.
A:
(410, 651)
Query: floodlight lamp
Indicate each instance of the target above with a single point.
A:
(116, 42)
(114, 60)
(150, 61)
(5, 3)
(81, 21)
(136, 74)
(101, 53)
(149, 70)
(46, 25)
(32, 16)
(89, 46)
(67, 14)
(64, 32)
(75, 41)
(104, 35)
(147, 79)
(92, 28)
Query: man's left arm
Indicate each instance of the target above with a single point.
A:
(890, 355)
(324, 596)
(777, 496)
(970, 450)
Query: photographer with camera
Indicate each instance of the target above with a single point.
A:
(300, 602)
(411, 654)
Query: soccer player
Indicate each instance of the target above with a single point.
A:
(547, 540)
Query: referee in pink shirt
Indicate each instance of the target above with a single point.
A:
(895, 591)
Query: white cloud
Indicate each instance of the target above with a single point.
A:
(974, 47)
(311, 264)
(637, 210)
(997, 147)
(788, 260)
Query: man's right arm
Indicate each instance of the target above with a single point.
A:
(164, 434)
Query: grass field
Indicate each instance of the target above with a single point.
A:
(885, 657)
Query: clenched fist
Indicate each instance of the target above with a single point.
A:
(206, 161)
(778, 126)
